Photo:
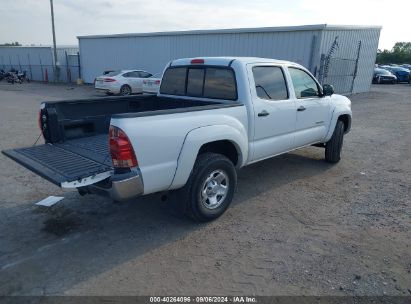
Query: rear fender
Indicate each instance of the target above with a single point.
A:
(203, 135)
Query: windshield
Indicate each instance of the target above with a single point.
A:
(382, 72)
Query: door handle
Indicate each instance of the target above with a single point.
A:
(301, 108)
(263, 113)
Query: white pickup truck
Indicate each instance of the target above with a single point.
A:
(211, 117)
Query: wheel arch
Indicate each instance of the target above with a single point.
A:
(345, 117)
(222, 139)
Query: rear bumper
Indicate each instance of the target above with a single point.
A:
(112, 88)
(119, 187)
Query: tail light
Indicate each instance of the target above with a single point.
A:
(157, 82)
(121, 150)
(39, 122)
(42, 121)
(109, 80)
(197, 61)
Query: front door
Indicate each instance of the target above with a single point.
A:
(274, 111)
(312, 109)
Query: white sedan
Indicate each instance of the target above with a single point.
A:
(151, 85)
(123, 82)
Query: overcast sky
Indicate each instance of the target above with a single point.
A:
(28, 22)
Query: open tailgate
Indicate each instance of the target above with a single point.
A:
(72, 164)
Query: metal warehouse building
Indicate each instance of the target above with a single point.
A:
(340, 55)
(38, 61)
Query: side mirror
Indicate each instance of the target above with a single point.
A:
(328, 90)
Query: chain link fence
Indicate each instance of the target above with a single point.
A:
(340, 74)
(68, 72)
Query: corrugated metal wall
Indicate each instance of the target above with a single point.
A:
(152, 53)
(348, 40)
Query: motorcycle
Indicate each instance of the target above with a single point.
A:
(22, 76)
(12, 78)
(2, 74)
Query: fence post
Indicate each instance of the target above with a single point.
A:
(79, 65)
(67, 68)
(41, 67)
(31, 72)
(356, 66)
(18, 58)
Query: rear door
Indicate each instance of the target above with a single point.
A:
(274, 111)
(134, 81)
(72, 164)
(312, 110)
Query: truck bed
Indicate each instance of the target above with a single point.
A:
(65, 120)
(68, 162)
(76, 149)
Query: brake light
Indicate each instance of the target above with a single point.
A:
(196, 61)
(121, 150)
(157, 82)
(39, 122)
(42, 120)
(109, 80)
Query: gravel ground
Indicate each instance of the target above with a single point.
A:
(297, 225)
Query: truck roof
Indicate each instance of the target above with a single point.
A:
(226, 61)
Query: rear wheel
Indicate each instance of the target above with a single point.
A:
(209, 189)
(125, 90)
(334, 146)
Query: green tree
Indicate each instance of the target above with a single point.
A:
(400, 53)
(11, 44)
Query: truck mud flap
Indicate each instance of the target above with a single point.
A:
(72, 164)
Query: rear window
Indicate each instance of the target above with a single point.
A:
(208, 82)
(195, 82)
(112, 73)
(174, 82)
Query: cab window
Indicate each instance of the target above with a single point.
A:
(304, 85)
(207, 82)
(270, 83)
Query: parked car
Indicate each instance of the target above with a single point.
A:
(151, 85)
(402, 74)
(383, 76)
(124, 82)
(406, 66)
(108, 71)
(211, 117)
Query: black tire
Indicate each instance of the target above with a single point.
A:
(125, 90)
(334, 146)
(189, 200)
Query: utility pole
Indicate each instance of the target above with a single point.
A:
(56, 67)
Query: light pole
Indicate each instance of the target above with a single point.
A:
(56, 68)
